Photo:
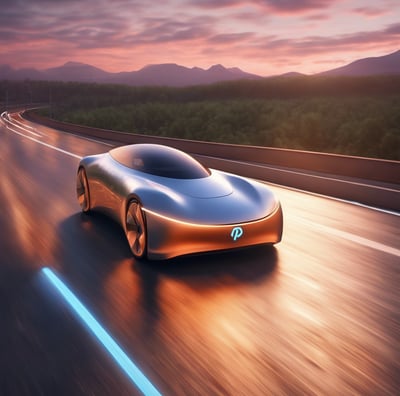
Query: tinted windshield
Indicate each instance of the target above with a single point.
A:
(160, 161)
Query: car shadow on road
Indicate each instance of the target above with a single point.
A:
(245, 265)
(90, 248)
(205, 273)
(97, 243)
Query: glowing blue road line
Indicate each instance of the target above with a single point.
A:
(133, 372)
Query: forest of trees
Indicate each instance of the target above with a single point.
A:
(346, 115)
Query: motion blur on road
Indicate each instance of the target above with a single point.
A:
(316, 314)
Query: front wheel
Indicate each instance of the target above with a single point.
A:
(135, 226)
(82, 190)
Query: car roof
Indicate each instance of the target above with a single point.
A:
(159, 160)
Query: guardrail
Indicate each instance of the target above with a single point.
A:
(369, 181)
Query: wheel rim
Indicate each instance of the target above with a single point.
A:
(136, 229)
(82, 190)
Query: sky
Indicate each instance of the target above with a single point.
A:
(265, 37)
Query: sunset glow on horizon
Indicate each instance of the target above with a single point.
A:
(264, 37)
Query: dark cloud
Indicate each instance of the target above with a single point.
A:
(93, 24)
(84, 24)
(393, 29)
(296, 5)
(320, 44)
(47, 14)
(229, 38)
(164, 30)
(286, 6)
(215, 4)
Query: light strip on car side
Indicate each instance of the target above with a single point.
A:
(211, 225)
(132, 371)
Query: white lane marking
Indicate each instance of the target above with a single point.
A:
(85, 138)
(26, 128)
(22, 126)
(350, 237)
(126, 364)
(46, 144)
(18, 124)
(4, 118)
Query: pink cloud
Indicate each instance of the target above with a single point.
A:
(318, 17)
(370, 11)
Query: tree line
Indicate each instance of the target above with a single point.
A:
(345, 115)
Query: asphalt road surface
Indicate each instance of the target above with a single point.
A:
(318, 314)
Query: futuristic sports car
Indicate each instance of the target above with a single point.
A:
(171, 205)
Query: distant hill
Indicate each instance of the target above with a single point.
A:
(75, 71)
(168, 74)
(387, 64)
(291, 74)
(173, 75)
(8, 73)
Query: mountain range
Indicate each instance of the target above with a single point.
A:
(170, 74)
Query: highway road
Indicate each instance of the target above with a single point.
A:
(318, 314)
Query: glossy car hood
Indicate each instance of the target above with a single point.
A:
(219, 199)
(213, 186)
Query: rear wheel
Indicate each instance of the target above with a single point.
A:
(135, 225)
(82, 190)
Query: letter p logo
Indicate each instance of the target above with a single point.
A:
(236, 233)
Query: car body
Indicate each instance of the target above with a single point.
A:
(170, 205)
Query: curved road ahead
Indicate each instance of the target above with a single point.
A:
(317, 314)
